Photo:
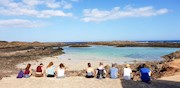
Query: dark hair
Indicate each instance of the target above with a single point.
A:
(61, 65)
(28, 66)
(100, 63)
(143, 65)
(113, 65)
(89, 64)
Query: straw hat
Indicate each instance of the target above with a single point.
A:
(127, 65)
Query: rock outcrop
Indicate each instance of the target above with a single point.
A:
(17, 52)
(171, 56)
(136, 44)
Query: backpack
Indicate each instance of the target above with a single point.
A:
(100, 73)
(20, 74)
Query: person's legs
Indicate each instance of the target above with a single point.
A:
(145, 77)
(50, 75)
(60, 76)
(39, 75)
(26, 76)
(89, 76)
(126, 77)
(113, 77)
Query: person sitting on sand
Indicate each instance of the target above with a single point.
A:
(113, 72)
(127, 72)
(60, 71)
(145, 73)
(89, 71)
(40, 70)
(100, 72)
(28, 71)
(50, 70)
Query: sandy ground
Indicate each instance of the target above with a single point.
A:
(69, 64)
(82, 82)
(175, 78)
(68, 82)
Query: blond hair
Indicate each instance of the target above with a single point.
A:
(50, 64)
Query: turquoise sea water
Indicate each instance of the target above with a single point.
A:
(116, 54)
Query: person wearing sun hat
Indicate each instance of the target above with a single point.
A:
(127, 72)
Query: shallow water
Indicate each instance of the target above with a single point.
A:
(116, 54)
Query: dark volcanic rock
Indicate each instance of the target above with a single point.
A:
(79, 45)
(18, 52)
(171, 56)
(136, 44)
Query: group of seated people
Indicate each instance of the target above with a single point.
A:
(99, 73)
(50, 71)
(113, 72)
(145, 72)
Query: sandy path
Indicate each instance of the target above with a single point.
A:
(68, 82)
(82, 82)
(175, 78)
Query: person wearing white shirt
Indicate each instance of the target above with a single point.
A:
(127, 72)
(60, 72)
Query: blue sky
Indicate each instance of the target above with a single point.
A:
(89, 20)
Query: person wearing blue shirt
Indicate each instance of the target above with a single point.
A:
(145, 73)
(50, 70)
(113, 72)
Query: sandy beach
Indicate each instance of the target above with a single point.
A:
(72, 81)
(69, 64)
(68, 82)
(82, 82)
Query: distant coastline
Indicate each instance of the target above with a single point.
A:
(154, 43)
(141, 41)
(162, 41)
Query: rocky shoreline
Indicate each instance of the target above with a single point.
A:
(136, 44)
(79, 45)
(159, 69)
(13, 53)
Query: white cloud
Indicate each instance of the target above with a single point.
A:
(29, 8)
(67, 6)
(53, 4)
(97, 15)
(35, 13)
(57, 4)
(49, 13)
(19, 23)
(32, 2)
